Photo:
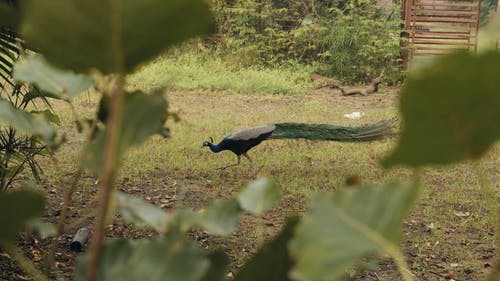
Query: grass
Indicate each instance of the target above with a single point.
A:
(199, 70)
(434, 236)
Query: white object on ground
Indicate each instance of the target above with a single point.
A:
(354, 115)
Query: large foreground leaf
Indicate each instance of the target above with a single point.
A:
(341, 228)
(42, 229)
(34, 93)
(450, 111)
(143, 115)
(140, 212)
(25, 122)
(153, 260)
(220, 218)
(82, 35)
(27, 205)
(65, 84)
(259, 196)
(47, 115)
(272, 262)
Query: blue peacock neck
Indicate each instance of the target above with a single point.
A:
(215, 148)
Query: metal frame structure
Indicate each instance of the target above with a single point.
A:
(435, 27)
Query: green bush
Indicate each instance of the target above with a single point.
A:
(361, 46)
(350, 40)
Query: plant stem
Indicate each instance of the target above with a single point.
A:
(67, 201)
(62, 219)
(111, 141)
(400, 262)
(110, 165)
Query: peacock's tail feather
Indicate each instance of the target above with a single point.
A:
(333, 132)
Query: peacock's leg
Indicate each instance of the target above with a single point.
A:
(230, 165)
(248, 157)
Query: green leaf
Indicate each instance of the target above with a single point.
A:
(139, 212)
(110, 33)
(272, 262)
(34, 93)
(170, 258)
(65, 84)
(25, 122)
(218, 264)
(220, 218)
(41, 228)
(16, 209)
(450, 111)
(342, 227)
(143, 115)
(259, 196)
(48, 115)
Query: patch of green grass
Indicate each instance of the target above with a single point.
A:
(200, 70)
(180, 165)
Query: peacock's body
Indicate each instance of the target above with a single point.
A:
(239, 142)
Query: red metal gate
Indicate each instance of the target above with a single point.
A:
(435, 27)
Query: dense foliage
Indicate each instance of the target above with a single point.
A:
(349, 40)
(18, 150)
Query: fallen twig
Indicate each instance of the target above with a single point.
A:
(370, 89)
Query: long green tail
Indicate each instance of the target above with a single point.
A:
(332, 132)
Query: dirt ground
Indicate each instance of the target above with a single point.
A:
(435, 246)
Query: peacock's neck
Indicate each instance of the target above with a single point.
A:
(215, 148)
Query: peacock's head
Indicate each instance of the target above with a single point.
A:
(208, 143)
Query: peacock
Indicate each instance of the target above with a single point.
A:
(240, 142)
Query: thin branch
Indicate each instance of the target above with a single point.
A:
(108, 177)
(62, 219)
(110, 161)
(109, 169)
(67, 201)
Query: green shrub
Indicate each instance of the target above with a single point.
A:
(351, 40)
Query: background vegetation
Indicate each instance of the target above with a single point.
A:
(348, 40)
(353, 41)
